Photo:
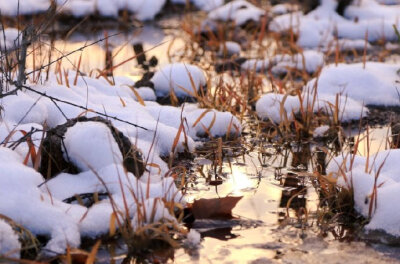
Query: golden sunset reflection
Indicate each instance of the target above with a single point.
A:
(373, 141)
(93, 57)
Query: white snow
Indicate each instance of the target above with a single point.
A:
(352, 80)
(256, 65)
(83, 138)
(9, 38)
(24, 109)
(320, 131)
(12, 8)
(318, 28)
(239, 11)
(348, 85)
(178, 77)
(92, 148)
(193, 238)
(229, 48)
(146, 93)
(349, 45)
(30, 207)
(195, 126)
(308, 60)
(206, 5)
(9, 243)
(385, 213)
(269, 107)
(143, 9)
(281, 9)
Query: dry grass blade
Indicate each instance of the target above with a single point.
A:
(92, 256)
(31, 151)
(201, 117)
(122, 101)
(138, 97)
(77, 70)
(113, 227)
(154, 165)
(192, 94)
(192, 83)
(177, 137)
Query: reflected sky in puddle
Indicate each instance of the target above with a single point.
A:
(156, 42)
(265, 192)
(373, 141)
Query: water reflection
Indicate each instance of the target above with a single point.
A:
(116, 48)
(370, 140)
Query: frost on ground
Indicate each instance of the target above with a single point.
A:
(363, 175)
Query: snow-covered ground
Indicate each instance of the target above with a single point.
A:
(364, 174)
(142, 9)
(159, 131)
(308, 60)
(90, 146)
(365, 19)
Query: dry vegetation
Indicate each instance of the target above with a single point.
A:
(233, 90)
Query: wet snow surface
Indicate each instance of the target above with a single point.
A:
(270, 224)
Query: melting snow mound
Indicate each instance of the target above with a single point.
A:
(386, 211)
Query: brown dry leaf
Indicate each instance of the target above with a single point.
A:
(215, 207)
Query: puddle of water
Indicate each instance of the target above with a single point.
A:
(372, 141)
(119, 46)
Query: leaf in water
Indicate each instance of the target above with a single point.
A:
(215, 207)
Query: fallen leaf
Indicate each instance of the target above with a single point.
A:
(214, 207)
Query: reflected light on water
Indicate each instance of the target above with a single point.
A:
(373, 141)
(239, 181)
(94, 56)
